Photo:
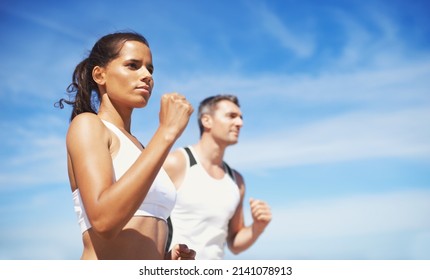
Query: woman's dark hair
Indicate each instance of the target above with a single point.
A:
(83, 90)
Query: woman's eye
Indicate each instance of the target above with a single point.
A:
(150, 69)
(132, 66)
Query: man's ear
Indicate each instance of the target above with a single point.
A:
(206, 121)
(99, 75)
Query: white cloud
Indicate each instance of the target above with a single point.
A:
(400, 84)
(48, 23)
(352, 136)
(356, 215)
(370, 40)
(300, 44)
(47, 240)
(390, 225)
(37, 153)
(39, 224)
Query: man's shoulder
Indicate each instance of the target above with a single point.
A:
(175, 158)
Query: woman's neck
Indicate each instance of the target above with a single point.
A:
(121, 118)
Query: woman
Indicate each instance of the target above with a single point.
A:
(121, 194)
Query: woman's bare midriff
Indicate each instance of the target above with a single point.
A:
(141, 238)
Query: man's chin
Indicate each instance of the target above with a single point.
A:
(233, 142)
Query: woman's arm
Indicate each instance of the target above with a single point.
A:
(110, 204)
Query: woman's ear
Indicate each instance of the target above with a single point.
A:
(99, 75)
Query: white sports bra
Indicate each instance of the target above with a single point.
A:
(160, 198)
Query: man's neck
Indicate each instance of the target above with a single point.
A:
(210, 153)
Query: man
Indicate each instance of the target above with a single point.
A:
(209, 207)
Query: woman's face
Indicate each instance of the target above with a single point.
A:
(128, 78)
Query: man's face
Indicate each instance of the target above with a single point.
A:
(226, 122)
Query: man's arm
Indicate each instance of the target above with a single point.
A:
(241, 237)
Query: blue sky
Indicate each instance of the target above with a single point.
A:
(336, 103)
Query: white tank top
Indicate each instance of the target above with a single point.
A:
(203, 209)
(159, 200)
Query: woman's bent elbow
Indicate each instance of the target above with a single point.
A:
(105, 231)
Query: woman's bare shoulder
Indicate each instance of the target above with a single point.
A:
(86, 127)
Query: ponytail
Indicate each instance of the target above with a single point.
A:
(83, 86)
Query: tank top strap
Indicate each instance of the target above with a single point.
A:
(229, 171)
(193, 160)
